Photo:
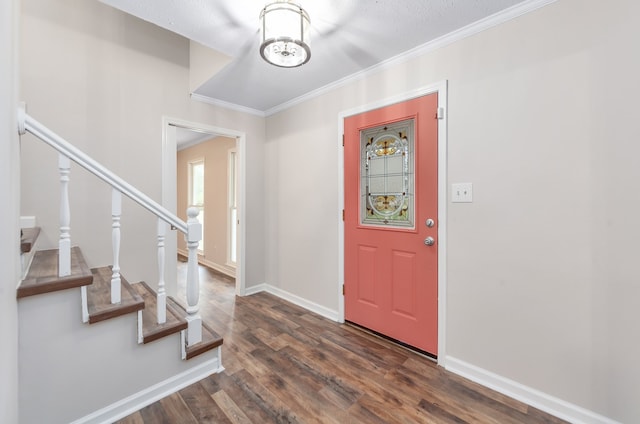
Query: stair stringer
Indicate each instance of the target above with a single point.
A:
(80, 373)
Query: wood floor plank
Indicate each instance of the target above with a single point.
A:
(270, 404)
(275, 343)
(337, 386)
(360, 414)
(229, 407)
(439, 414)
(330, 388)
(154, 413)
(177, 410)
(201, 405)
(366, 347)
(388, 414)
(135, 418)
(285, 396)
(252, 406)
(284, 364)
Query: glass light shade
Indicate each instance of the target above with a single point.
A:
(285, 35)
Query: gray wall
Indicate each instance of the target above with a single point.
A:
(9, 212)
(542, 277)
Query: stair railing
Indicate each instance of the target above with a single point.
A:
(192, 229)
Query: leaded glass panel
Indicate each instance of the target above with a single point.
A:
(387, 175)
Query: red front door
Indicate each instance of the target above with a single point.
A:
(391, 205)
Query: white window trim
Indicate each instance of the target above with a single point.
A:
(190, 203)
(232, 201)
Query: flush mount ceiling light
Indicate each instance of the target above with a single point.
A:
(285, 34)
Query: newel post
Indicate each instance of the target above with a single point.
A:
(64, 244)
(193, 237)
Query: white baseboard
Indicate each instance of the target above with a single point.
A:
(295, 299)
(137, 401)
(231, 272)
(540, 400)
(224, 269)
(255, 289)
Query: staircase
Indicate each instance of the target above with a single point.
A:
(79, 323)
(42, 277)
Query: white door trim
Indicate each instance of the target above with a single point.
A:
(169, 183)
(441, 89)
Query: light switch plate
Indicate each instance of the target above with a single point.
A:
(462, 193)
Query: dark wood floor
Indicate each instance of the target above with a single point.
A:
(287, 365)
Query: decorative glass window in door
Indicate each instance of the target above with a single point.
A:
(387, 175)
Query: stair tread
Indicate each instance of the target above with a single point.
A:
(99, 297)
(28, 238)
(43, 273)
(210, 339)
(151, 330)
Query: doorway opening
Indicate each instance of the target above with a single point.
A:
(203, 167)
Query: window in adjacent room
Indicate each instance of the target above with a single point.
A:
(196, 193)
(232, 232)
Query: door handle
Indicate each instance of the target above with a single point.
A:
(429, 241)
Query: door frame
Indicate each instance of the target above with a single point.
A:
(441, 89)
(169, 186)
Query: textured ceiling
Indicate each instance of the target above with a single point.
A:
(347, 37)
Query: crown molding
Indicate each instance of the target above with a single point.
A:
(464, 32)
(457, 35)
(226, 105)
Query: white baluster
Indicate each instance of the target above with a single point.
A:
(162, 294)
(193, 237)
(64, 244)
(116, 212)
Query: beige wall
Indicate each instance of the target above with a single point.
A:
(203, 62)
(542, 282)
(9, 212)
(214, 152)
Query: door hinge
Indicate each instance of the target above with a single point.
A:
(440, 113)
(343, 289)
(342, 140)
(343, 214)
